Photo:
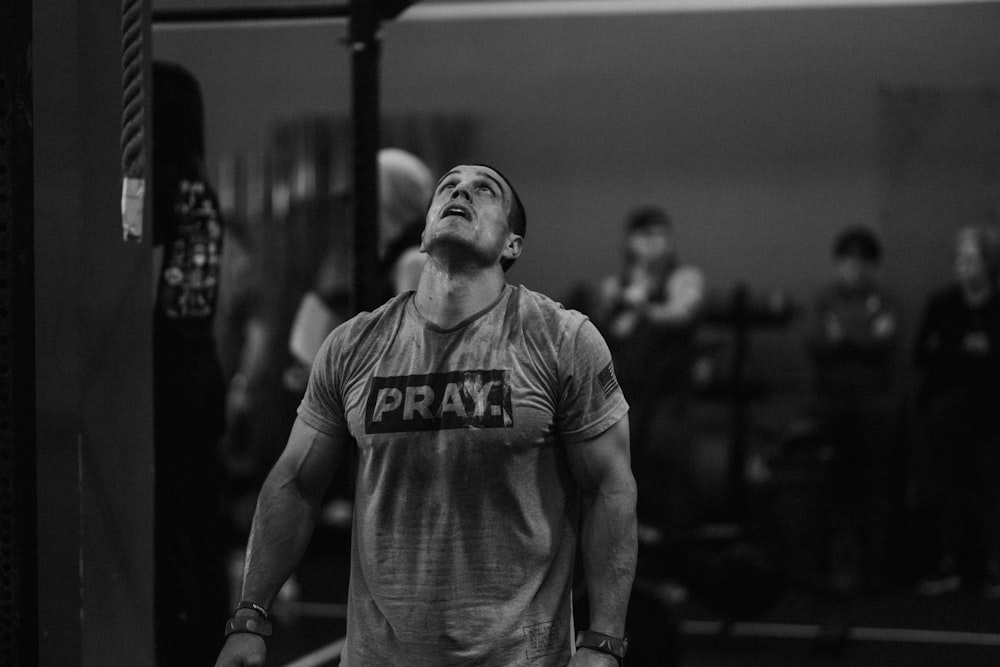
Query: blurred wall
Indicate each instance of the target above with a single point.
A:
(93, 353)
(758, 131)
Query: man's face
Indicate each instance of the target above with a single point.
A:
(468, 216)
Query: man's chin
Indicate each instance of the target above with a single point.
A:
(454, 251)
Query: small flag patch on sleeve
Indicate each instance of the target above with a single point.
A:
(609, 383)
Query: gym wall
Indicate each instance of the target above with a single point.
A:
(93, 351)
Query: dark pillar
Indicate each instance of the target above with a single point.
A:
(18, 460)
(365, 50)
(93, 351)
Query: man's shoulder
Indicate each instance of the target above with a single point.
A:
(544, 323)
(368, 322)
(532, 304)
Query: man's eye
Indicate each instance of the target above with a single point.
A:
(487, 189)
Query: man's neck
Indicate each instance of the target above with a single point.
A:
(448, 298)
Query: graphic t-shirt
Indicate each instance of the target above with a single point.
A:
(465, 512)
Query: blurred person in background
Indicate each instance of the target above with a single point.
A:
(958, 352)
(191, 590)
(649, 312)
(853, 349)
(405, 187)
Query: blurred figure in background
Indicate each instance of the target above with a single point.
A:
(958, 351)
(191, 592)
(649, 312)
(853, 349)
(405, 187)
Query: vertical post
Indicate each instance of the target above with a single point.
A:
(737, 460)
(364, 42)
(18, 471)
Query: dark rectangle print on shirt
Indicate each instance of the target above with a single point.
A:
(437, 401)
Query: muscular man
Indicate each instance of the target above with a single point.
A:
(468, 513)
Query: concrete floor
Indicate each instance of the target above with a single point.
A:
(799, 627)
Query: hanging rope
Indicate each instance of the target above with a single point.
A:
(133, 121)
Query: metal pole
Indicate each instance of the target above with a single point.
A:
(251, 14)
(364, 21)
(19, 447)
(737, 460)
(365, 49)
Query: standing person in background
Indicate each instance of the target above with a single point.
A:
(467, 515)
(191, 592)
(405, 187)
(958, 352)
(853, 348)
(649, 312)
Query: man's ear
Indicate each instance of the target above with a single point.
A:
(513, 248)
(423, 232)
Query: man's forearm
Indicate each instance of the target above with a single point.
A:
(609, 555)
(282, 526)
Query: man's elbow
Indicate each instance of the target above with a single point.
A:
(629, 496)
(619, 492)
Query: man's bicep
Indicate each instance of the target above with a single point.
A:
(603, 459)
(310, 458)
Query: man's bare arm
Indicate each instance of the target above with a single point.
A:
(602, 470)
(287, 507)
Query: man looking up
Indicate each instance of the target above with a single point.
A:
(492, 438)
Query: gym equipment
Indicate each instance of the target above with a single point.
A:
(364, 22)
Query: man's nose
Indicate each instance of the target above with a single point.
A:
(461, 190)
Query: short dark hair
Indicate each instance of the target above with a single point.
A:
(646, 217)
(857, 241)
(517, 218)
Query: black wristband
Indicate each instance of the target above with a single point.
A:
(248, 624)
(597, 641)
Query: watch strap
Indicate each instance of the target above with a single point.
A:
(598, 641)
(249, 624)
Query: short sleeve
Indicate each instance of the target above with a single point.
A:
(322, 406)
(590, 400)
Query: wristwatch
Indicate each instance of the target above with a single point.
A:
(255, 625)
(597, 641)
